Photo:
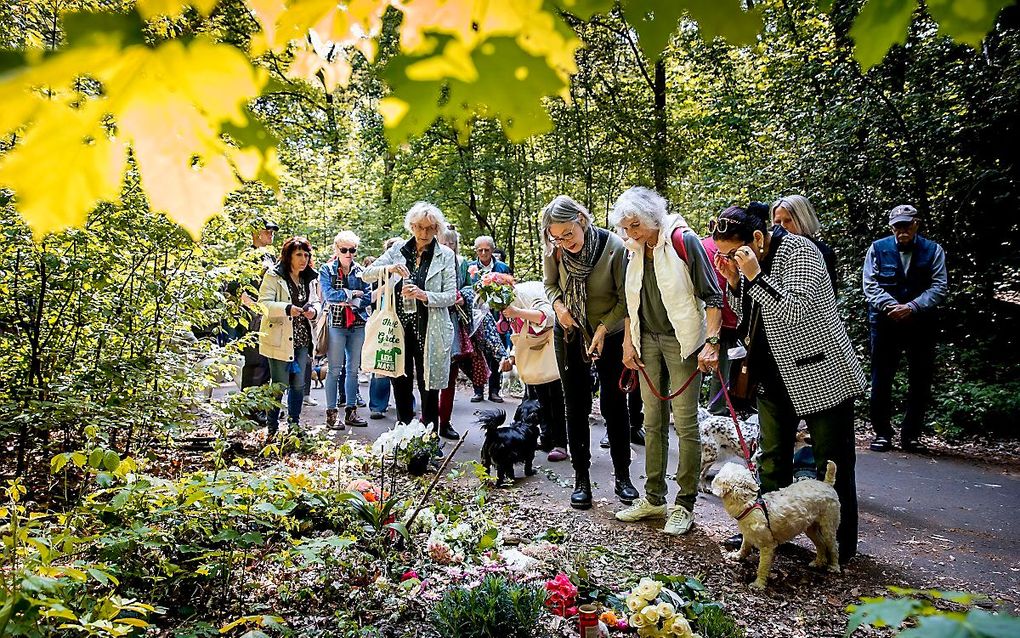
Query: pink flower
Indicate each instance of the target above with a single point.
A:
(409, 574)
(561, 596)
(473, 270)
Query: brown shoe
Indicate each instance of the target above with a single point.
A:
(352, 419)
(332, 422)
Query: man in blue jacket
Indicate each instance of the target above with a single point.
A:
(904, 283)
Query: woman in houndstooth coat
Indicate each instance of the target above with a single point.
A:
(800, 354)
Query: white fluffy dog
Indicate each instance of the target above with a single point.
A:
(719, 441)
(808, 506)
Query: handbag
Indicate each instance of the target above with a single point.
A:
(321, 335)
(743, 389)
(535, 356)
(383, 353)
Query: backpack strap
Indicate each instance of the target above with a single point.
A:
(678, 243)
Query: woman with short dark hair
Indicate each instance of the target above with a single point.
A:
(290, 303)
(799, 353)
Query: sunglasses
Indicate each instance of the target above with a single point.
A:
(722, 224)
(345, 250)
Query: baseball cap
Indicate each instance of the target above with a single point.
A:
(902, 213)
(268, 224)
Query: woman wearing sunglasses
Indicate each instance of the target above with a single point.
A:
(347, 298)
(583, 275)
(800, 354)
(291, 302)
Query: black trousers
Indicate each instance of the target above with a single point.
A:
(832, 436)
(554, 419)
(403, 387)
(255, 373)
(576, 381)
(889, 341)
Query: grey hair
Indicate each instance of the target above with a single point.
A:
(450, 238)
(485, 238)
(801, 210)
(644, 203)
(390, 242)
(562, 210)
(345, 237)
(425, 210)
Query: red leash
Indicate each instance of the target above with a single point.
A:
(628, 383)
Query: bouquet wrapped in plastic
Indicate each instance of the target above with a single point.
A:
(496, 290)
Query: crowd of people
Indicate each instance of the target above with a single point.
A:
(653, 298)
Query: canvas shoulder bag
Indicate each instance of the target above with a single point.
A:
(535, 356)
(384, 349)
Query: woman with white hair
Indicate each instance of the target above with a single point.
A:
(796, 215)
(428, 289)
(671, 342)
(583, 276)
(347, 297)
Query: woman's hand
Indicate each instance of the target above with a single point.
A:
(295, 311)
(747, 261)
(510, 312)
(728, 268)
(398, 269)
(563, 316)
(630, 358)
(357, 294)
(708, 358)
(309, 314)
(597, 339)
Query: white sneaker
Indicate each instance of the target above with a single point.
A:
(641, 509)
(310, 402)
(679, 522)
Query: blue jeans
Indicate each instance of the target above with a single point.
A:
(379, 394)
(345, 346)
(284, 373)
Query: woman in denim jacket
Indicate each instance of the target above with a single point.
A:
(346, 298)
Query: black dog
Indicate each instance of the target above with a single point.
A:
(514, 444)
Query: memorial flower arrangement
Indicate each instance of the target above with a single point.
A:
(496, 290)
(654, 613)
(414, 444)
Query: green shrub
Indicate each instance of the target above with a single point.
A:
(496, 608)
(976, 407)
(715, 623)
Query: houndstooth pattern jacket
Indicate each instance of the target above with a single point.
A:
(813, 352)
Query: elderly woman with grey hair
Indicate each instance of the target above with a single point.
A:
(672, 342)
(796, 215)
(428, 289)
(583, 276)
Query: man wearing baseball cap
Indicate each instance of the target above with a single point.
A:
(905, 281)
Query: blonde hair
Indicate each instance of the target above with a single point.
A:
(801, 211)
(345, 237)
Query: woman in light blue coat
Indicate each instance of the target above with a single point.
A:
(427, 289)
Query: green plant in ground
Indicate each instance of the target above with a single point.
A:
(497, 607)
(927, 611)
(715, 623)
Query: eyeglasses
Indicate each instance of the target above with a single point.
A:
(562, 239)
(423, 227)
(345, 250)
(722, 224)
(732, 254)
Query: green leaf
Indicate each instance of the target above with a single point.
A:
(488, 540)
(111, 460)
(96, 458)
(937, 627)
(656, 20)
(400, 529)
(880, 25)
(882, 612)
(87, 28)
(966, 21)
(989, 625)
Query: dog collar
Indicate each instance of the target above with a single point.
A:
(759, 504)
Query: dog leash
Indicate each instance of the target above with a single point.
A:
(744, 449)
(628, 383)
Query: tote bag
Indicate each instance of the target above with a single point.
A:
(535, 356)
(383, 353)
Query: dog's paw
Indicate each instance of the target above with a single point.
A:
(733, 557)
(833, 569)
(758, 585)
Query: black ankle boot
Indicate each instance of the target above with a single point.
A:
(581, 498)
(626, 490)
(447, 432)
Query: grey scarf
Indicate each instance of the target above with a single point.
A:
(579, 267)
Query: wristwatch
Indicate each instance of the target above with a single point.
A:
(713, 340)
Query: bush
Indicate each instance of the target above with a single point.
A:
(495, 608)
(976, 407)
(713, 622)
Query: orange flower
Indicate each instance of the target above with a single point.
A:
(609, 617)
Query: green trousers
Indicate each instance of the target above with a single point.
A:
(668, 370)
(832, 438)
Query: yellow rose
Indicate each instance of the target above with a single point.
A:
(635, 603)
(637, 620)
(666, 610)
(680, 627)
(648, 588)
(648, 631)
(651, 614)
